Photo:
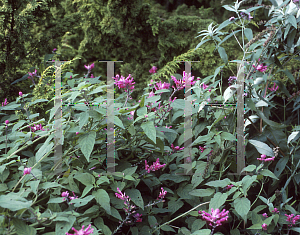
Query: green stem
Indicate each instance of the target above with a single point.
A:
(180, 215)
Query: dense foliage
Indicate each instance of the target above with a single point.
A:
(148, 193)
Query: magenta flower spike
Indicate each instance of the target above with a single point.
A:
(216, 218)
(81, 231)
(6, 122)
(89, 67)
(153, 69)
(20, 93)
(264, 226)
(27, 171)
(273, 88)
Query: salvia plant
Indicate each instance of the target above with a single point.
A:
(149, 193)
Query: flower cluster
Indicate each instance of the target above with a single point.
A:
(180, 84)
(291, 219)
(124, 83)
(36, 128)
(129, 207)
(175, 149)
(155, 166)
(264, 159)
(81, 231)
(162, 194)
(153, 69)
(260, 67)
(248, 17)
(160, 86)
(231, 79)
(5, 102)
(31, 75)
(273, 88)
(65, 195)
(216, 217)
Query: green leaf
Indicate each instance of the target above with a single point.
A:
(45, 148)
(201, 43)
(291, 19)
(269, 122)
(22, 228)
(202, 192)
(228, 93)
(266, 172)
(14, 202)
(290, 76)
(167, 228)
(224, 24)
(174, 206)
(262, 148)
(64, 227)
(219, 183)
(142, 111)
(86, 143)
(84, 117)
(242, 206)
(86, 190)
(149, 129)
(218, 200)
(47, 185)
(103, 199)
(136, 197)
(56, 200)
(249, 168)
(282, 88)
(223, 54)
(229, 8)
(118, 122)
(78, 202)
(228, 136)
(280, 166)
(142, 103)
(248, 33)
(202, 232)
(85, 178)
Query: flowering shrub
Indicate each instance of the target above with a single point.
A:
(159, 198)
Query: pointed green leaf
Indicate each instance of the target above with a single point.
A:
(149, 129)
(86, 143)
(217, 201)
(103, 199)
(242, 206)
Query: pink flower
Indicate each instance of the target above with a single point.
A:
(162, 86)
(81, 231)
(180, 84)
(6, 122)
(92, 76)
(265, 215)
(77, 133)
(291, 219)
(273, 88)
(264, 159)
(27, 171)
(295, 1)
(162, 194)
(54, 49)
(216, 217)
(275, 210)
(264, 227)
(124, 83)
(151, 94)
(228, 187)
(155, 166)
(260, 68)
(137, 217)
(204, 86)
(121, 195)
(20, 93)
(65, 195)
(176, 148)
(5, 102)
(153, 69)
(89, 67)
